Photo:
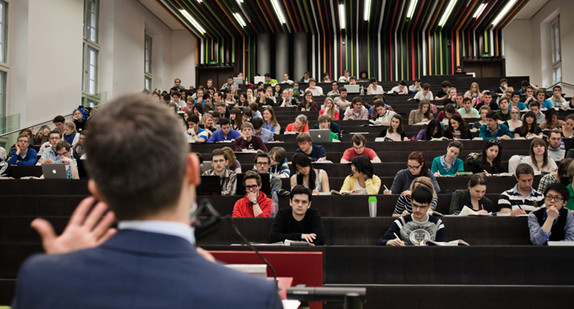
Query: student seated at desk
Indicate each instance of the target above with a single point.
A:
(395, 131)
(404, 206)
(414, 228)
(299, 221)
(448, 164)
(313, 178)
(255, 203)
(553, 222)
(522, 197)
(473, 197)
(22, 155)
(416, 166)
(432, 130)
(362, 179)
(490, 160)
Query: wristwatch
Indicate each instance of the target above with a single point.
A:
(254, 202)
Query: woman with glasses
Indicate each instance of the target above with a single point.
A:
(307, 103)
(553, 222)
(473, 197)
(416, 167)
(514, 121)
(490, 160)
(362, 179)
(404, 205)
(315, 179)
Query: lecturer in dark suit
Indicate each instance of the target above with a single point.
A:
(141, 168)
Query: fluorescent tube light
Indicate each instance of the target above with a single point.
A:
(239, 19)
(342, 15)
(411, 10)
(479, 10)
(278, 11)
(503, 13)
(367, 10)
(193, 22)
(446, 14)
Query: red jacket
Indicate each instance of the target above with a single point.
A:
(244, 208)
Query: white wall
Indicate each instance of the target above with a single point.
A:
(45, 50)
(45, 54)
(526, 45)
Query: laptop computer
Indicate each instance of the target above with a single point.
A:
(353, 88)
(319, 135)
(238, 80)
(210, 185)
(54, 171)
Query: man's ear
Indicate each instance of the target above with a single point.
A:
(93, 188)
(193, 170)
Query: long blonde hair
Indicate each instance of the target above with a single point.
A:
(331, 112)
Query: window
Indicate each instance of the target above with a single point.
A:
(3, 31)
(556, 53)
(91, 53)
(3, 60)
(148, 63)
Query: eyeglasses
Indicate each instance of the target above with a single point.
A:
(556, 198)
(419, 206)
(410, 167)
(253, 187)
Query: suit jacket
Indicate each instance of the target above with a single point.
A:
(136, 269)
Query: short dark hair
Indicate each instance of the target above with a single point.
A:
(219, 152)
(55, 131)
(257, 123)
(523, 168)
(252, 175)
(372, 80)
(492, 115)
(534, 103)
(147, 187)
(63, 144)
(59, 118)
(422, 195)
(560, 188)
(445, 83)
(402, 83)
(426, 86)
(299, 189)
(261, 155)
(357, 139)
(193, 118)
(224, 121)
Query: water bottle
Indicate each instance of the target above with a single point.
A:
(275, 203)
(372, 206)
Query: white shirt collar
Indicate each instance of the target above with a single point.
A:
(162, 227)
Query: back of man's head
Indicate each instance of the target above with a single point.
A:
(257, 123)
(422, 195)
(145, 173)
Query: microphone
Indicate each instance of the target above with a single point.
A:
(212, 223)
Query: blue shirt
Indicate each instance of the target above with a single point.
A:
(217, 136)
(486, 133)
(266, 135)
(29, 159)
(317, 152)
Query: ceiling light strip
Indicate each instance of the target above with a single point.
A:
(503, 13)
(193, 22)
(446, 14)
